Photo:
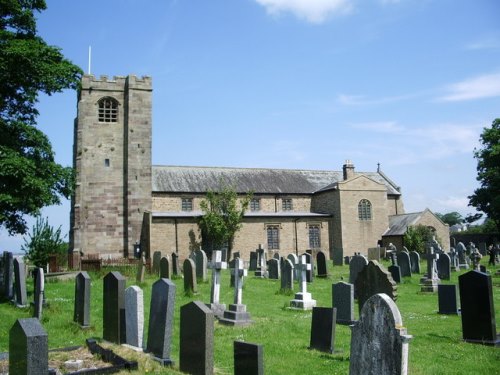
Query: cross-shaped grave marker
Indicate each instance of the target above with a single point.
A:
(431, 281)
(217, 265)
(237, 313)
(303, 300)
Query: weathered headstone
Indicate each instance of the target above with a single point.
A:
(141, 270)
(134, 316)
(237, 314)
(161, 321)
(477, 308)
(303, 299)
(374, 279)
(462, 256)
(176, 270)
(253, 261)
(323, 329)
(430, 281)
(261, 270)
(8, 275)
(447, 299)
(287, 275)
(114, 308)
(164, 268)
(394, 269)
(374, 254)
(415, 262)
(379, 342)
(295, 261)
(321, 264)
(404, 264)
(201, 265)
(82, 299)
(248, 358)
(20, 294)
(343, 301)
(217, 265)
(28, 348)
(274, 269)
(38, 293)
(155, 268)
(196, 339)
(190, 284)
(356, 265)
(454, 259)
(443, 264)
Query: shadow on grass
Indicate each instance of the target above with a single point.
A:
(436, 336)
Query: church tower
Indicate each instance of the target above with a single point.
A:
(112, 162)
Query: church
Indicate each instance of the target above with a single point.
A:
(122, 201)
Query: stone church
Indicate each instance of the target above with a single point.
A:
(122, 201)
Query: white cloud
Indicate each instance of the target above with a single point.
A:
(381, 127)
(484, 86)
(490, 42)
(453, 203)
(314, 11)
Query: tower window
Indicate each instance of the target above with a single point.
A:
(364, 210)
(108, 110)
(106, 162)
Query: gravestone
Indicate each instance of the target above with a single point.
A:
(114, 308)
(134, 316)
(82, 299)
(274, 269)
(430, 281)
(28, 348)
(477, 308)
(310, 268)
(201, 265)
(261, 270)
(217, 265)
(287, 275)
(38, 294)
(482, 247)
(231, 267)
(347, 260)
(374, 279)
(176, 270)
(374, 254)
(379, 342)
(20, 294)
(463, 262)
(321, 264)
(277, 256)
(8, 275)
(164, 268)
(404, 264)
(253, 261)
(295, 261)
(443, 264)
(447, 299)
(343, 302)
(248, 358)
(454, 259)
(303, 299)
(394, 269)
(237, 314)
(190, 284)
(415, 262)
(196, 339)
(161, 321)
(356, 265)
(323, 329)
(155, 268)
(338, 255)
(141, 270)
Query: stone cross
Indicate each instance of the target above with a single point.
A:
(431, 263)
(217, 266)
(302, 269)
(239, 272)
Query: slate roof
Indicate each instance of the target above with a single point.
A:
(399, 223)
(179, 179)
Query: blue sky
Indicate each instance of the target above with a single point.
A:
(300, 84)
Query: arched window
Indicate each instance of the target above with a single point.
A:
(364, 210)
(108, 110)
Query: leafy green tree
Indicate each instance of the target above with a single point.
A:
(222, 215)
(487, 197)
(416, 238)
(451, 218)
(29, 176)
(44, 241)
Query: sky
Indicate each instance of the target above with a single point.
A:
(295, 84)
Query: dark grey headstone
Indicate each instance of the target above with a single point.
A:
(338, 255)
(114, 308)
(190, 284)
(443, 264)
(477, 308)
(82, 299)
(201, 265)
(141, 270)
(287, 274)
(356, 264)
(196, 339)
(274, 269)
(20, 294)
(343, 301)
(161, 320)
(321, 264)
(28, 348)
(155, 267)
(164, 268)
(395, 271)
(415, 262)
(404, 264)
(374, 279)
(323, 329)
(347, 260)
(8, 275)
(447, 299)
(176, 270)
(253, 261)
(248, 358)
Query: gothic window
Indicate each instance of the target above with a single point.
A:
(364, 210)
(108, 110)
(314, 237)
(255, 204)
(187, 204)
(273, 237)
(287, 204)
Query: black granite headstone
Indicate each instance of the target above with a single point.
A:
(323, 329)
(175, 265)
(164, 268)
(321, 264)
(404, 264)
(196, 339)
(114, 308)
(82, 299)
(28, 348)
(395, 271)
(248, 358)
(253, 261)
(477, 308)
(8, 275)
(443, 264)
(447, 299)
(343, 302)
(38, 294)
(161, 320)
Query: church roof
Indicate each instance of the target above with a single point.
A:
(179, 179)
(398, 224)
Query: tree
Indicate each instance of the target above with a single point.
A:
(30, 179)
(487, 197)
(451, 218)
(416, 238)
(222, 216)
(42, 242)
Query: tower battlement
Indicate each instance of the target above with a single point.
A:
(90, 82)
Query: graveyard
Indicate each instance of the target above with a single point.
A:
(436, 345)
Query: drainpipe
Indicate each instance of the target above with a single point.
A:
(296, 237)
(176, 238)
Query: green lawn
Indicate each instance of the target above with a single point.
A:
(436, 348)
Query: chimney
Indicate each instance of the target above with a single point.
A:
(348, 170)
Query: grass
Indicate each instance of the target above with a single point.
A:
(436, 347)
